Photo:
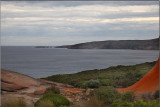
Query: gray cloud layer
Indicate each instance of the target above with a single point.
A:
(58, 23)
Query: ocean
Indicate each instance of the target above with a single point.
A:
(43, 62)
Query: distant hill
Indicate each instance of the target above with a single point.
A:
(152, 44)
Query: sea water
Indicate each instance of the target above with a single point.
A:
(43, 62)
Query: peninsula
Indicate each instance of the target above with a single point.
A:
(151, 44)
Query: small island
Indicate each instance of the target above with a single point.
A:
(43, 46)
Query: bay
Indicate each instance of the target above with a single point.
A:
(43, 62)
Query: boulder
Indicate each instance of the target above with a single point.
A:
(13, 81)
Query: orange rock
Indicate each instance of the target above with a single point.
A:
(43, 91)
(74, 90)
(149, 83)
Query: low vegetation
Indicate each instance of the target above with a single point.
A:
(91, 84)
(107, 94)
(118, 76)
(101, 96)
(139, 103)
(110, 97)
(52, 90)
(52, 98)
(105, 81)
(93, 102)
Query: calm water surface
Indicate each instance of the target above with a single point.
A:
(42, 62)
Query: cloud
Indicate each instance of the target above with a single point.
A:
(84, 10)
(79, 21)
(79, 3)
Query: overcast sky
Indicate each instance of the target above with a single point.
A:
(61, 23)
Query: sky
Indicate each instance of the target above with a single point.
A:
(54, 23)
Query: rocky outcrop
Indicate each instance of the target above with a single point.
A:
(13, 81)
(77, 95)
(16, 85)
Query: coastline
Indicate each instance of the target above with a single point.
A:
(75, 87)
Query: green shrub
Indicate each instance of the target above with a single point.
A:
(44, 103)
(128, 96)
(105, 82)
(126, 104)
(155, 103)
(128, 82)
(56, 100)
(115, 104)
(91, 84)
(107, 94)
(52, 90)
(72, 106)
(140, 103)
(60, 100)
(122, 104)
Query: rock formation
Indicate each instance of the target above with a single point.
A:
(149, 83)
(13, 81)
(16, 85)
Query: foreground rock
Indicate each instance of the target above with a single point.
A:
(13, 82)
(16, 85)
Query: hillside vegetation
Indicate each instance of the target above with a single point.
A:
(116, 76)
(152, 44)
(105, 83)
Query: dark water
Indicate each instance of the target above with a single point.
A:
(42, 62)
